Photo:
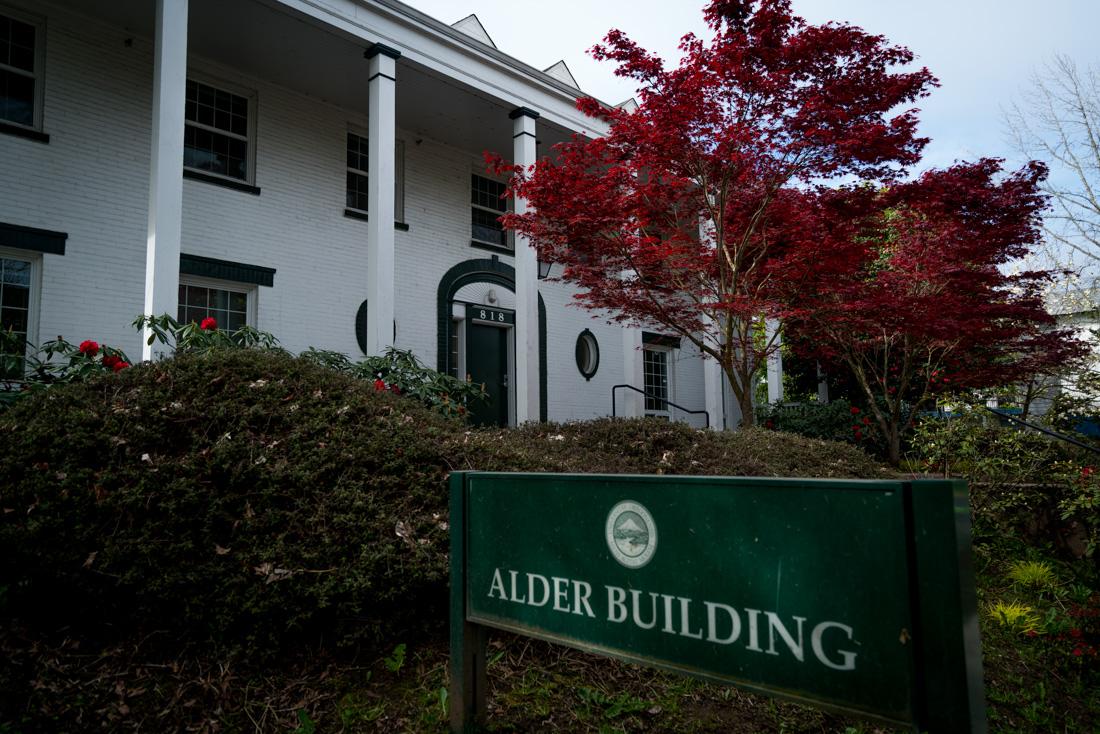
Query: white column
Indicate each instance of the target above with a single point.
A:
(630, 404)
(712, 390)
(162, 244)
(381, 139)
(822, 385)
(713, 377)
(775, 361)
(527, 281)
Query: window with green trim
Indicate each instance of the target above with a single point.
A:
(15, 314)
(228, 306)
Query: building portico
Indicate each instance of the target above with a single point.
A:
(276, 201)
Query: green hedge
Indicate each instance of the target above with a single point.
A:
(240, 496)
(254, 500)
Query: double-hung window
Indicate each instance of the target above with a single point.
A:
(21, 61)
(487, 205)
(218, 132)
(358, 172)
(655, 373)
(228, 304)
(15, 312)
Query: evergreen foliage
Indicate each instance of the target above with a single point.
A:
(255, 499)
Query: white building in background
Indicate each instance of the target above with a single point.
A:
(310, 167)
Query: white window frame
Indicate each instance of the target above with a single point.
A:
(510, 247)
(670, 379)
(250, 290)
(39, 73)
(250, 140)
(398, 174)
(34, 303)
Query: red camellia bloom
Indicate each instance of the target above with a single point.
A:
(110, 360)
(208, 323)
(855, 410)
(379, 385)
(395, 389)
(120, 365)
(89, 348)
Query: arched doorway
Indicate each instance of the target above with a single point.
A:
(476, 335)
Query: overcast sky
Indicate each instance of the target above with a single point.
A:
(982, 51)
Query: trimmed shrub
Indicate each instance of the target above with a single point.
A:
(837, 420)
(253, 499)
(239, 495)
(653, 446)
(1022, 483)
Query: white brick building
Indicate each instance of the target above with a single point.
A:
(201, 157)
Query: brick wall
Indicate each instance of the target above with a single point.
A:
(91, 181)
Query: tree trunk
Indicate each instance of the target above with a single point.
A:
(893, 441)
(748, 410)
(1029, 396)
(742, 389)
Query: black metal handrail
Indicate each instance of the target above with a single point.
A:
(1053, 434)
(681, 408)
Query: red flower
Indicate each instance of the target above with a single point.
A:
(866, 421)
(208, 323)
(395, 389)
(855, 410)
(89, 348)
(1077, 651)
(1075, 633)
(1032, 633)
(110, 360)
(120, 365)
(379, 385)
(769, 424)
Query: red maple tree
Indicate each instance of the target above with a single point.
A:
(681, 216)
(911, 293)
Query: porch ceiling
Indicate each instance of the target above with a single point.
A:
(267, 40)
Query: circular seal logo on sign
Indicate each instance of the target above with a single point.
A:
(631, 534)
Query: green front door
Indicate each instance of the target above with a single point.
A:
(487, 363)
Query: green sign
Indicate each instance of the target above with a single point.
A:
(490, 314)
(852, 595)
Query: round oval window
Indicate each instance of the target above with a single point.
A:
(588, 354)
